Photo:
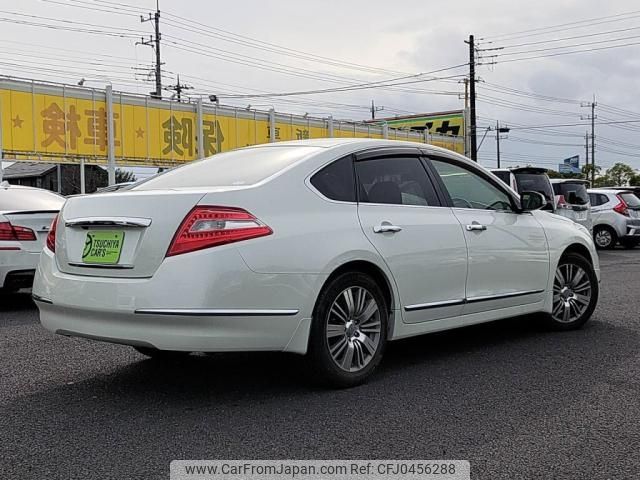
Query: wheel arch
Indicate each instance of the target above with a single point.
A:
(580, 249)
(378, 275)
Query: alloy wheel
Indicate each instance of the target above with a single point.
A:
(603, 238)
(353, 329)
(571, 293)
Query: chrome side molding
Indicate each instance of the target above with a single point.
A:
(462, 301)
(217, 312)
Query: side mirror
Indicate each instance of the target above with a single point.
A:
(532, 201)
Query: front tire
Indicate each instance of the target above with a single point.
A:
(575, 293)
(349, 330)
(605, 238)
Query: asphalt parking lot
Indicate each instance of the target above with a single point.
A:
(516, 400)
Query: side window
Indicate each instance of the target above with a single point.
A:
(395, 180)
(335, 181)
(594, 198)
(468, 190)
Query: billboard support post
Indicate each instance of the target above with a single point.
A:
(111, 154)
(272, 125)
(200, 132)
(82, 177)
(385, 130)
(330, 126)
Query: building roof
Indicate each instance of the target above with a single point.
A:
(27, 169)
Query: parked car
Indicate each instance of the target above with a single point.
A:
(506, 176)
(115, 187)
(535, 179)
(328, 247)
(26, 214)
(572, 200)
(634, 189)
(616, 218)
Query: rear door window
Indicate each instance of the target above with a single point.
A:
(535, 182)
(395, 180)
(573, 193)
(630, 199)
(335, 181)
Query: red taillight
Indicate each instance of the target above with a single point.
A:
(622, 207)
(14, 233)
(51, 236)
(206, 227)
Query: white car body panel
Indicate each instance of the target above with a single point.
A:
(513, 243)
(260, 294)
(21, 257)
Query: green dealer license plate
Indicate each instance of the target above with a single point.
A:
(103, 247)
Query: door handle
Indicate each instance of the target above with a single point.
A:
(476, 226)
(386, 227)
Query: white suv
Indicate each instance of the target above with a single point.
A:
(616, 218)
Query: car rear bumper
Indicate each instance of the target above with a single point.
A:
(214, 308)
(17, 266)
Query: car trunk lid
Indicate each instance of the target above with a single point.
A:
(37, 221)
(120, 234)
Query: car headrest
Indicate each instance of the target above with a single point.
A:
(385, 192)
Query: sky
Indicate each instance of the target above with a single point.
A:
(276, 46)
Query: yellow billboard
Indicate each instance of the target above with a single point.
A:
(67, 123)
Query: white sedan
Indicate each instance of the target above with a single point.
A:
(25, 217)
(329, 248)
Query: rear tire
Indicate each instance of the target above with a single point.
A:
(575, 293)
(349, 330)
(163, 355)
(605, 237)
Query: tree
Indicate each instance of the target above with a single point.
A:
(124, 176)
(620, 174)
(587, 169)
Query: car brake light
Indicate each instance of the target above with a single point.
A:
(206, 227)
(621, 207)
(14, 233)
(51, 236)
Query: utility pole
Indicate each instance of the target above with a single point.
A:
(586, 152)
(498, 143)
(499, 130)
(375, 109)
(155, 40)
(178, 88)
(472, 98)
(592, 117)
(593, 139)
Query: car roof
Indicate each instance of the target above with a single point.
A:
(569, 180)
(9, 186)
(612, 191)
(539, 170)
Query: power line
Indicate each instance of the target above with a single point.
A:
(565, 26)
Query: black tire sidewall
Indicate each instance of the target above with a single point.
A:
(322, 362)
(583, 263)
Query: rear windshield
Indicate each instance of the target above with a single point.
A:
(29, 199)
(630, 199)
(504, 176)
(534, 182)
(573, 193)
(236, 168)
